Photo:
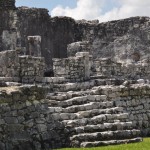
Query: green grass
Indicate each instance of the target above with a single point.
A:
(145, 145)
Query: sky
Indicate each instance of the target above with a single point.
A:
(103, 10)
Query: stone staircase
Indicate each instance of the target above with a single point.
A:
(90, 118)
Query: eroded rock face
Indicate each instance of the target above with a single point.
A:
(82, 46)
(119, 39)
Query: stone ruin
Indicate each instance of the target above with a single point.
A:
(90, 101)
(79, 107)
(74, 69)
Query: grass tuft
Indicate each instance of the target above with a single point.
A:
(145, 145)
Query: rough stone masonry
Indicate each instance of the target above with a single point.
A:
(119, 39)
(99, 94)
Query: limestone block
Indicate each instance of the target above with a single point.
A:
(58, 109)
(56, 116)
(122, 116)
(109, 104)
(146, 124)
(40, 121)
(9, 64)
(141, 81)
(64, 116)
(21, 119)
(42, 127)
(34, 45)
(146, 106)
(2, 121)
(51, 109)
(91, 97)
(83, 114)
(145, 118)
(11, 120)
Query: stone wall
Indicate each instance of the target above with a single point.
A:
(26, 68)
(9, 64)
(31, 68)
(118, 39)
(135, 100)
(43, 118)
(101, 67)
(34, 21)
(73, 68)
(130, 70)
(106, 67)
(8, 30)
(25, 120)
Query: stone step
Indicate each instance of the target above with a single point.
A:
(95, 112)
(107, 81)
(77, 100)
(105, 136)
(51, 80)
(61, 96)
(106, 143)
(89, 106)
(74, 86)
(68, 102)
(103, 118)
(60, 114)
(104, 127)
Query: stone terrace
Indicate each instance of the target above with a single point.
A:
(73, 109)
(99, 95)
(84, 105)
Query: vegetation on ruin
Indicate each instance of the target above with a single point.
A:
(145, 145)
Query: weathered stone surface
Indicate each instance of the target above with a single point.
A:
(25, 121)
(123, 40)
(34, 46)
(73, 68)
(73, 48)
(23, 68)
(111, 108)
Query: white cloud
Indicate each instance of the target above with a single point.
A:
(93, 9)
(128, 8)
(86, 9)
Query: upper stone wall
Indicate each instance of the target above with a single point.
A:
(130, 71)
(116, 39)
(55, 30)
(7, 4)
